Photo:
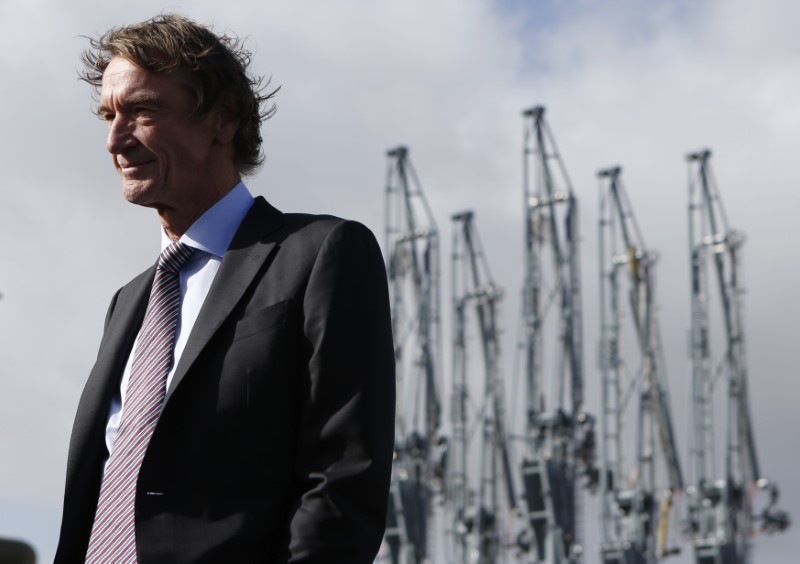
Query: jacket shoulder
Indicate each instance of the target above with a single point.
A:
(315, 230)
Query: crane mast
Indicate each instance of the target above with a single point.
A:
(721, 516)
(634, 390)
(475, 502)
(559, 435)
(412, 243)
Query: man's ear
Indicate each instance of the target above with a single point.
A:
(226, 123)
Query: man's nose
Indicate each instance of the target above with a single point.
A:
(120, 135)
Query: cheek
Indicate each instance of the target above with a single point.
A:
(184, 151)
(199, 143)
(183, 158)
(200, 153)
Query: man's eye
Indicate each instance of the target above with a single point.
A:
(106, 116)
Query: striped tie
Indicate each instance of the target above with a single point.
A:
(113, 537)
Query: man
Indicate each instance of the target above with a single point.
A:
(241, 408)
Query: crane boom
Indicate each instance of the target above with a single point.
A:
(559, 435)
(412, 243)
(476, 503)
(721, 516)
(630, 516)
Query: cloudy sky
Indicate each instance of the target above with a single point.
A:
(638, 84)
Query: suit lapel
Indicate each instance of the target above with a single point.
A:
(244, 259)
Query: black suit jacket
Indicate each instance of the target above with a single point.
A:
(276, 436)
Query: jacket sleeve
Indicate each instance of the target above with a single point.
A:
(346, 428)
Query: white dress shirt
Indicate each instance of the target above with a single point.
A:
(211, 235)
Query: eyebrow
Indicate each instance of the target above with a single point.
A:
(136, 99)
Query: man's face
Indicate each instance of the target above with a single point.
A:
(161, 150)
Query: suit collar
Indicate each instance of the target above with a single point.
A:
(245, 257)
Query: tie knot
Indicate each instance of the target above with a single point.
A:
(174, 257)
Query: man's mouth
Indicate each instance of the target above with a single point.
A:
(135, 167)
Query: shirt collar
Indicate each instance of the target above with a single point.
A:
(213, 231)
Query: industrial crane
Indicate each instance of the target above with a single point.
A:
(721, 514)
(559, 435)
(474, 498)
(412, 244)
(635, 501)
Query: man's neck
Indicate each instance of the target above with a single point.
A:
(177, 222)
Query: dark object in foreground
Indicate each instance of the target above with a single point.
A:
(16, 552)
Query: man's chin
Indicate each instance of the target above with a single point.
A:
(137, 192)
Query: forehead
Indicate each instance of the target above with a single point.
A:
(123, 79)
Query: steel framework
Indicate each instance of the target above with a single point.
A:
(412, 243)
(721, 518)
(635, 506)
(475, 502)
(559, 434)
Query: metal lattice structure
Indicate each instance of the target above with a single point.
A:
(721, 514)
(412, 243)
(559, 435)
(636, 416)
(475, 499)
